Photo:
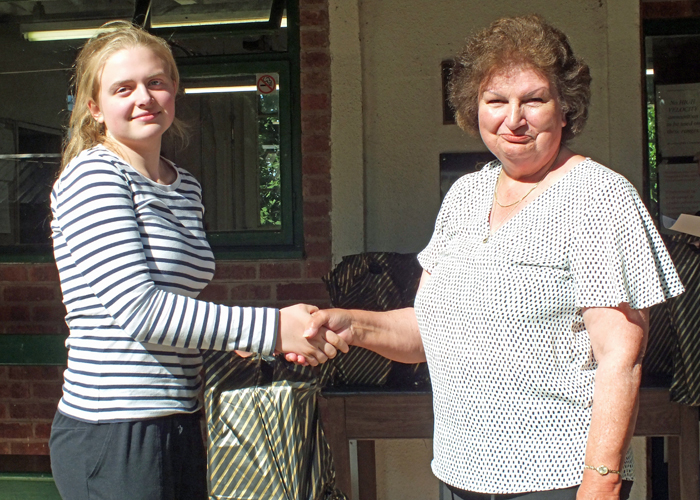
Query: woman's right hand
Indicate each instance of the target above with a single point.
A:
(338, 321)
(302, 348)
(332, 325)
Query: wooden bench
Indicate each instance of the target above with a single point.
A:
(366, 416)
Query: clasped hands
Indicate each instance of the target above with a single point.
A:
(308, 336)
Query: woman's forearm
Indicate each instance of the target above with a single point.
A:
(615, 404)
(393, 334)
(618, 337)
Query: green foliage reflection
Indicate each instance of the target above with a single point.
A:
(269, 161)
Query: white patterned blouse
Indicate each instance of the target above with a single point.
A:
(510, 359)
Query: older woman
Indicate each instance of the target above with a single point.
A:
(532, 309)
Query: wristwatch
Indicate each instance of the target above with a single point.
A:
(602, 470)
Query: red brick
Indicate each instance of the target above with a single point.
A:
(226, 271)
(317, 186)
(317, 39)
(315, 144)
(250, 292)
(4, 372)
(36, 373)
(316, 164)
(14, 313)
(319, 208)
(13, 272)
(304, 3)
(310, 102)
(30, 293)
(43, 272)
(280, 270)
(47, 390)
(14, 390)
(316, 125)
(316, 82)
(32, 410)
(214, 293)
(302, 291)
(317, 228)
(15, 430)
(55, 312)
(317, 268)
(33, 448)
(316, 59)
(42, 431)
(315, 17)
(4, 448)
(318, 249)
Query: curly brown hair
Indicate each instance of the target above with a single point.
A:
(514, 41)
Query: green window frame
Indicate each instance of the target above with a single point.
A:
(287, 242)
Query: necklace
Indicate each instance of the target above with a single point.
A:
(514, 204)
(498, 183)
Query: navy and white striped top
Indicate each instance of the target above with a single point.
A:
(132, 256)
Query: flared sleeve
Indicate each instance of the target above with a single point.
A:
(617, 254)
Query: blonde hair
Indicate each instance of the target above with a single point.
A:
(513, 41)
(84, 131)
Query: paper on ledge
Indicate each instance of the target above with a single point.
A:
(688, 224)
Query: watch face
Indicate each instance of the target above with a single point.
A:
(603, 470)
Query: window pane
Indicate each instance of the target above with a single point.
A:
(26, 179)
(173, 13)
(69, 9)
(234, 150)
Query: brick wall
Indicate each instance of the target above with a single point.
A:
(30, 297)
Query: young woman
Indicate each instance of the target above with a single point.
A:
(132, 256)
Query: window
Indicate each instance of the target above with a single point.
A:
(241, 151)
(239, 65)
(26, 178)
(673, 118)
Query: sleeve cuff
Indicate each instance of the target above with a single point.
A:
(270, 335)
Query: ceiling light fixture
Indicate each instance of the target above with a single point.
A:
(68, 30)
(213, 22)
(45, 32)
(217, 90)
(53, 35)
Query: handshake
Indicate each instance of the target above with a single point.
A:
(308, 336)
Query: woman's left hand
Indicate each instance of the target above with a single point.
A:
(600, 487)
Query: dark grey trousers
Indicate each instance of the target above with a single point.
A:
(562, 494)
(155, 459)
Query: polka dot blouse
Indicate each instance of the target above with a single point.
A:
(510, 360)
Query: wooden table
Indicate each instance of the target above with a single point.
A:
(366, 416)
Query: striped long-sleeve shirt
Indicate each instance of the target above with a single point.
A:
(132, 256)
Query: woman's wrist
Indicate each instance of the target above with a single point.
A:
(609, 483)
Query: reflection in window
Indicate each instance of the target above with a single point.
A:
(170, 13)
(243, 145)
(26, 178)
(234, 150)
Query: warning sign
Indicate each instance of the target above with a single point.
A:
(266, 84)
